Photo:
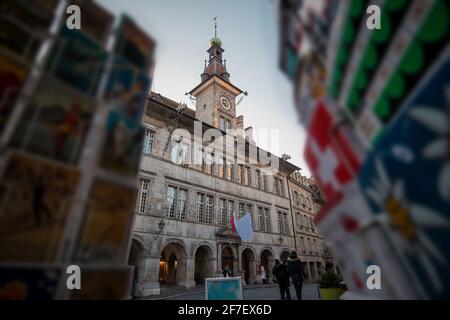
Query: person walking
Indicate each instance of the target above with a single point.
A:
(263, 275)
(227, 271)
(296, 272)
(281, 274)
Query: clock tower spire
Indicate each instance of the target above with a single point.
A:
(216, 95)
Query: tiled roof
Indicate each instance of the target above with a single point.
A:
(170, 103)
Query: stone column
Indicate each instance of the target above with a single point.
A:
(258, 265)
(270, 264)
(237, 264)
(190, 272)
(219, 260)
(252, 268)
(150, 282)
(212, 267)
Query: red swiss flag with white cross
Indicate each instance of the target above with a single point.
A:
(328, 152)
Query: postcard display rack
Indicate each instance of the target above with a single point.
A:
(71, 105)
(375, 106)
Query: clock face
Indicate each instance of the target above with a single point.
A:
(225, 103)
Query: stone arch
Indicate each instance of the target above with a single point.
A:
(195, 246)
(251, 248)
(267, 248)
(136, 260)
(177, 242)
(267, 260)
(248, 265)
(139, 240)
(173, 263)
(203, 263)
(228, 257)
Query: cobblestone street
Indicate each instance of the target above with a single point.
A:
(270, 292)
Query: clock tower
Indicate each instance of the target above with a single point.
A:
(216, 95)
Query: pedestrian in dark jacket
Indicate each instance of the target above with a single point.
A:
(280, 273)
(296, 273)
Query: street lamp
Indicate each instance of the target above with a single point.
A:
(161, 226)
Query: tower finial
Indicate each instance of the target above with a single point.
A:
(215, 26)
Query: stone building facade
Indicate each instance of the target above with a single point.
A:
(182, 231)
(306, 201)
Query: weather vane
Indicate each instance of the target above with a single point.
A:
(215, 26)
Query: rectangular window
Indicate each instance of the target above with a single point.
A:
(144, 194)
(266, 183)
(241, 174)
(296, 197)
(281, 187)
(180, 153)
(248, 175)
(230, 212)
(276, 187)
(205, 210)
(176, 203)
(280, 223)
(286, 223)
(149, 138)
(201, 159)
(264, 219)
(223, 212)
(258, 179)
(241, 209)
(267, 220)
(171, 202)
(261, 222)
(229, 170)
(223, 124)
(249, 208)
(200, 207)
(228, 123)
(203, 166)
(209, 209)
(208, 160)
(222, 168)
(283, 225)
(182, 204)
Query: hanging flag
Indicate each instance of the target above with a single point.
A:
(233, 222)
(329, 154)
(244, 227)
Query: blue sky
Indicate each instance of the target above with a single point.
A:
(249, 33)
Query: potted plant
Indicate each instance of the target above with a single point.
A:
(330, 285)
